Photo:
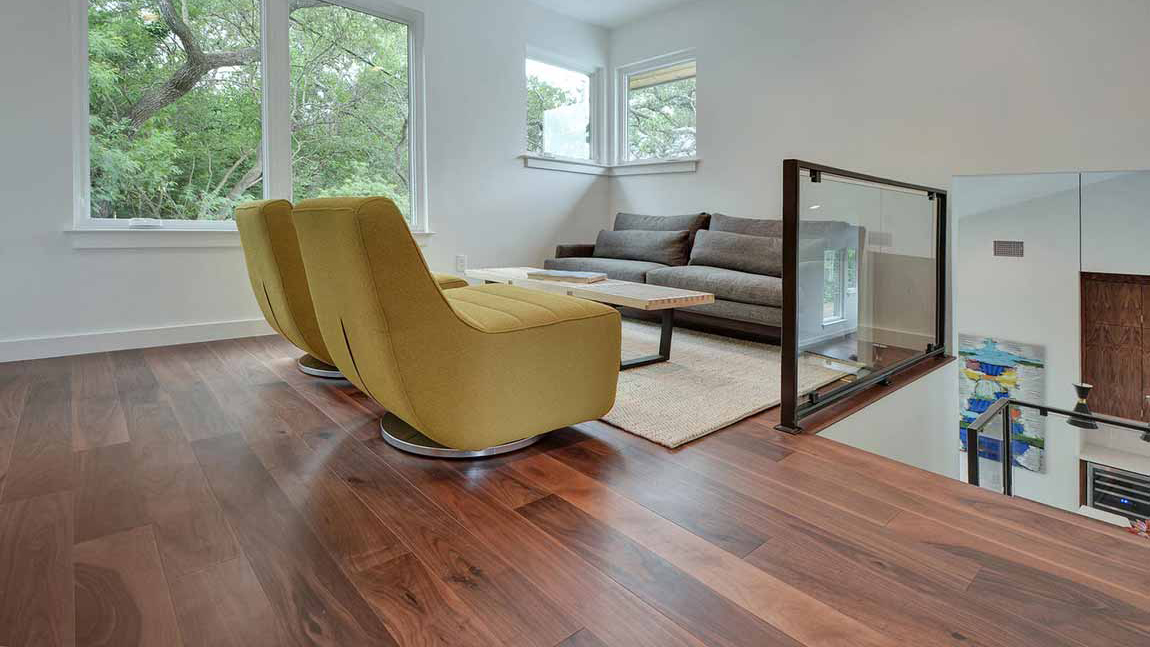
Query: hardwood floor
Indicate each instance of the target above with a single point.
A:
(212, 495)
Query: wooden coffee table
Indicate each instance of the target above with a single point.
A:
(618, 293)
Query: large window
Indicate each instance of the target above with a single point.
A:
(174, 107)
(177, 130)
(559, 110)
(351, 109)
(657, 109)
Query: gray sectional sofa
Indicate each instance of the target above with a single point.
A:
(739, 260)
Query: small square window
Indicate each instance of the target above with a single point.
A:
(558, 111)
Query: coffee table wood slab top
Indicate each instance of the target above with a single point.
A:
(614, 292)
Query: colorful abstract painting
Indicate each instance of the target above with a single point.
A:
(992, 369)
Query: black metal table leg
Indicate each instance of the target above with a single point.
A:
(668, 328)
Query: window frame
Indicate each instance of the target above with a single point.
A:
(596, 100)
(840, 281)
(622, 149)
(275, 61)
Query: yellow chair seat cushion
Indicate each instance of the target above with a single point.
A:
(506, 308)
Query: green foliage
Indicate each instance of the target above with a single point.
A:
(198, 154)
(541, 97)
(661, 120)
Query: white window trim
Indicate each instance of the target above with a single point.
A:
(598, 101)
(622, 79)
(117, 233)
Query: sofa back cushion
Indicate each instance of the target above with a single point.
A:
(691, 223)
(752, 254)
(666, 247)
(748, 226)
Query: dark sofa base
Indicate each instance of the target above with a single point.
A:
(684, 318)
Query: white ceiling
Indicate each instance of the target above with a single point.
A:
(607, 13)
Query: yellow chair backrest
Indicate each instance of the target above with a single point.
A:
(276, 270)
(373, 291)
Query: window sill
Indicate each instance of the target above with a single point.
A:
(124, 238)
(587, 167)
(188, 238)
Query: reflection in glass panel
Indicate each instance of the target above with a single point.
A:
(351, 105)
(866, 278)
(558, 111)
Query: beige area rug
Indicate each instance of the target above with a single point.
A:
(709, 383)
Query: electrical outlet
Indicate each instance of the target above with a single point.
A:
(461, 263)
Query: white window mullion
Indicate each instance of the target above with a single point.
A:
(276, 100)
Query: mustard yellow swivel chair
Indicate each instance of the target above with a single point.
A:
(279, 282)
(468, 372)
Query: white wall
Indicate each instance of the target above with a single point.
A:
(915, 425)
(1032, 300)
(1116, 222)
(910, 89)
(482, 201)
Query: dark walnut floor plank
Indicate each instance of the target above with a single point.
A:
(593, 599)
(582, 638)
(751, 465)
(419, 608)
(352, 533)
(1034, 582)
(1066, 607)
(224, 606)
(122, 597)
(315, 602)
(13, 394)
(1021, 514)
(712, 618)
(41, 458)
(789, 609)
(239, 401)
(916, 498)
(338, 399)
(153, 479)
(630, 471)
(661, 487)
(895, 600)
(36, 603)
(513, 609)
(97, 416)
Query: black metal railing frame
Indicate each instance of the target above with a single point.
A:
(1002, 406)
(793, 410)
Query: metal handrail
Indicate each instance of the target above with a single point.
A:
(1002, 406)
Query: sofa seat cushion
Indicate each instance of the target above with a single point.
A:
(448, 281)
(615, 268)
(504, 308)
(730, 285)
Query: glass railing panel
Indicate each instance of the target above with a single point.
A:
(867, 275)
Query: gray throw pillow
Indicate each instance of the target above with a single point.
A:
(749, 226)
(666, 247)
(690, 222)
(752, 254)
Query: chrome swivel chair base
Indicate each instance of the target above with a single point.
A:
(309, 365)
(404, 437)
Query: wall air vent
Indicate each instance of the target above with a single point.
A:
(1118, 491)
(1008, 248)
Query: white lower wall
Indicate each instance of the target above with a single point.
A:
(58, 300)
(914, 425)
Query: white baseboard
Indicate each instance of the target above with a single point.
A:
(100, 342)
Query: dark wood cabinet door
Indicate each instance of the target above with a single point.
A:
(1114, 357)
